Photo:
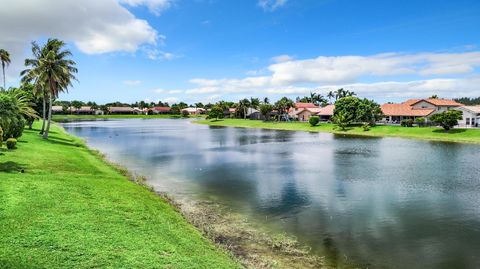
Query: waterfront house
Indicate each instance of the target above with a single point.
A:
(303, 111)
(193, 110)
(470, 116)
(120, 110)
(57, 109)
(326, 113)
(161, 110)
(416, 108)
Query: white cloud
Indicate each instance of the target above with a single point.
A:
(271, 5)
(156, 54)
(132, 82)
(163, 91)
(93, 26)
(282, 58)
(155, 6)
(346, 69)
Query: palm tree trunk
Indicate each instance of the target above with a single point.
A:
(44, 114)
(45, 135)
(4, 82)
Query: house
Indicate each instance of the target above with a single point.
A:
(161, 110)
(326, 113)
(84, 110)
(416, 108)
(193, 110)
(57, 109)
(303, 111)
(120, 110)
(470, 116)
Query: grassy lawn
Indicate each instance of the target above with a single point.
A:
(454, 135)
(60, 118)
(70, 209)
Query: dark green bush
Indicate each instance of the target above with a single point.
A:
(314, 120)
(407, 123)
(366, 127)
(14, 128)
(11, 143)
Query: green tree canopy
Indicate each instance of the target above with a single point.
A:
(354, 109)
(447, 119)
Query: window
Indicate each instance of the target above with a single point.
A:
(473, 121)
(467, 120)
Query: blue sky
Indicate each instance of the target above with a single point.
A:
(207, 50)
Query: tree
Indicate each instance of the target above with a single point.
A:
(25, 102)
(216, 112)
(242, 107)
(265, 110)
(340, 93)
(447, 119)
(5, 60)
(254, 103)
(342, 120)
(283, 105)
(358, 110)
(434, 96)
(54, 70)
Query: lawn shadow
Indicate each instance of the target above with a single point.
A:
(10, 167)
(451, 131)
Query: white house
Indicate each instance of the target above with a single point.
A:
(470, 117)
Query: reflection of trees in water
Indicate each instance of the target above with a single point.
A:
(291, 199)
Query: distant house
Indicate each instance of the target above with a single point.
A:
(416, 108)
(57, 109)
(303, 111)
(120, 110)
(470, 116)
(161, 110)
(84, 110)
(194, 110)
(326, 113)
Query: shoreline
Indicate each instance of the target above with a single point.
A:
(248, 244)
(424, 133)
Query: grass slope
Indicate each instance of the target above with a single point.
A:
(454, 135)
(62, 118)
(72, 210)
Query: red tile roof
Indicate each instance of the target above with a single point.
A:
(162, 108)
(326, 111)
(436, 102)
(404, 110)
(305, 105)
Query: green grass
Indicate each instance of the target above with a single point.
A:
(428, 133)
(61, 118)
(70, 209)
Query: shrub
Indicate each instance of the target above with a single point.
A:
(185, 114)
(11, 143)
(1, 137)
(407, 123)
(420, 121)
(314, 120)
(366, 127)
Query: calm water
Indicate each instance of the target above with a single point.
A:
(376, 202)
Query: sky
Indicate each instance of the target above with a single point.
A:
(210, 50)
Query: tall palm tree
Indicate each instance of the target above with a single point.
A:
(5, 60)
(53, 70)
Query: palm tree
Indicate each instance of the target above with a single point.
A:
(51, 69)
(5, 60)
(331, 95)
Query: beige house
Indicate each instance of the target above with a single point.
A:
(470, 116)
(416, 108)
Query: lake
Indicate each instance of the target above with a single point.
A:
(373, 202)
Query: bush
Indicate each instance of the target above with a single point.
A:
(185, 114)
(11, 143)
(407, 123)
(1, 137)
(14, 128)
(420, 121)
(314, 120)
(366, 127)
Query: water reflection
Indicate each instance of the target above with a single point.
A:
(386, 203)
